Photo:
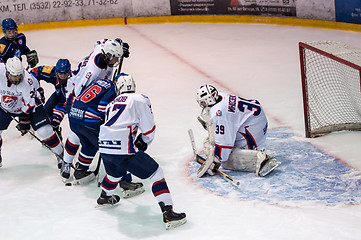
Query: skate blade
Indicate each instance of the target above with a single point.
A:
(174, 224)
(107, 205)
(84, 181)
(132, 193)
(66, 180)
(264, 172)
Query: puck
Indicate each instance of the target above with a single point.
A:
(68, 184)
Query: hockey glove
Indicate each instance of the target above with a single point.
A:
(126, 52)
(42, 94)
(140, 144)
(24, 123)
(55, 121)
(32, 58)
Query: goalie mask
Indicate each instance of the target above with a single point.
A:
(112, 50)
(14, 70)
(207, 96)
(125, 83)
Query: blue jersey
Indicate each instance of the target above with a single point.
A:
(89, 107)
(15, 48)
(48, 74)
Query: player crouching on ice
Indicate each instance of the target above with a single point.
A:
(123, 152)
(19, 98)
(236, 127)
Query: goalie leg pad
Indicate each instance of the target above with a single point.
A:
(241, 160)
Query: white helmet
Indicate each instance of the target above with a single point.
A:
(112, 49)
(125, 83)
(207, 96)
(14, 70)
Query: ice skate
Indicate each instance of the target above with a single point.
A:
(269, 165)
(83, 177)
(105, 200)
(65, 171)
(266, 164)
(131, 189)
(171, 218)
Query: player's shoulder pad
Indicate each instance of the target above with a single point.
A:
(141, 98)
(47, 69)
(29, 79)
(106, 83)
(21, 37)
(2, 47)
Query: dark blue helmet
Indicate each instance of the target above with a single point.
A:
(63, 66)
(8, 24)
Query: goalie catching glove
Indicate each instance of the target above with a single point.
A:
(32, 58)
(24, 123)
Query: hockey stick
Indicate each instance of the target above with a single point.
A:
(117, 71)
(201, 160)
(32, 134)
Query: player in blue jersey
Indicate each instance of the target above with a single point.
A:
(13, 44)
(57, 76)
(86, 115)
(122, 151)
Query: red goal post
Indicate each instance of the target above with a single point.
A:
(331, 87)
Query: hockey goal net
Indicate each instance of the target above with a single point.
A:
(331, 76)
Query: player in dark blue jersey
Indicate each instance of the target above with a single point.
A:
(13, 44)
(57, 76)
(86, 115)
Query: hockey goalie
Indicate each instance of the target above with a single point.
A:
(236, 127)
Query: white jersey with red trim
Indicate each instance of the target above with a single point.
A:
(238, 123)
(124, 116)
(21, 98)
(88, 71)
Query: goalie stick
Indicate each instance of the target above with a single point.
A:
(201, 160)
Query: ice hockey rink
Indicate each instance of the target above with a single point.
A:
(169, 62)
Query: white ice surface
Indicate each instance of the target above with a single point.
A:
(169, 62)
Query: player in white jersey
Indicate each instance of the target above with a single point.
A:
(19, 98)
(122, 151)
(98, 65)
(236, 127)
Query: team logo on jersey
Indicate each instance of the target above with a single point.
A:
(30, 81)
(88, 75)
(10, 101)
(20, 41)
(47, 69)
(219, 113)
(2, 48)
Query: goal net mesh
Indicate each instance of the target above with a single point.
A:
(331, 85)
